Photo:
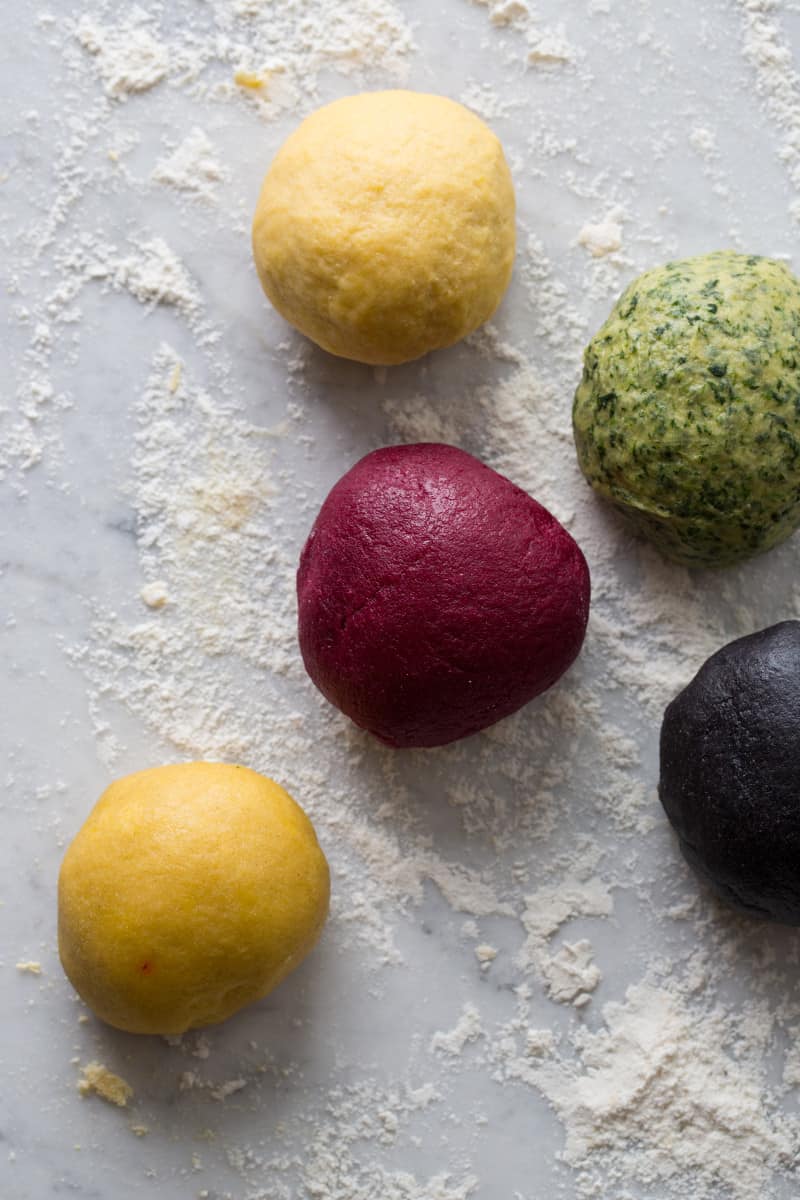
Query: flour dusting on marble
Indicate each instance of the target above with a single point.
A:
(525, 854)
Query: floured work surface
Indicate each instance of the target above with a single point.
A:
(522, 991)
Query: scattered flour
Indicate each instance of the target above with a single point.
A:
(667, 1098)
(549, 908)
(154, 274)
(669, 1093)
(129, 58)
(769, 51)
(544, 46)
(190, 1080)
(192, 167)
(467, 1029)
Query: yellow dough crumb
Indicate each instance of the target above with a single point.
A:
(175, 377)
(155, 594)
(140, 1131)
(247, 79)
(98, 1080)
(29, 968)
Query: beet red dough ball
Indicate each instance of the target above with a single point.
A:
(436, 597)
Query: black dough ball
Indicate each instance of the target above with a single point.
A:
(730, 772)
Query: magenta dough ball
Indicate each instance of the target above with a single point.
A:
(436, 597)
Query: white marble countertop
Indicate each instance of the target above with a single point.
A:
(159, 423)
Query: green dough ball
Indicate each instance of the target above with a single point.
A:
(688, 415)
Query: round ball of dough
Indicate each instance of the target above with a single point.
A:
(190, 891)
(730, 772)
(435, 597)
(385, 226)
(687, 417)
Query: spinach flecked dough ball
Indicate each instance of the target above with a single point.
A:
(688, 415)
(191, 891)
(385, 226)
(730, 772)
(435, 597)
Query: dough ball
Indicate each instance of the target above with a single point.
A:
(435, 597)
(687, 417)
(385, 226)
(190, 891)
(730, 772)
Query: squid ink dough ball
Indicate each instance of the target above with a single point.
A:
(436, 597)
(730, 772)
(687, 418)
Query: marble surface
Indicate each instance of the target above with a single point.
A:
(315, 1065)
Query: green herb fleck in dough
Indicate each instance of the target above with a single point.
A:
(687, 418)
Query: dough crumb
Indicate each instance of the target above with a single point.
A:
(99, 1081)
(29, 968)
(247, 79)
(155, 595)
(140, 1131)
(485, 956)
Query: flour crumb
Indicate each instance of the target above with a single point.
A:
(549, 48)
(140, 1131)
(99, 1081)
(539, 1043)
(703, 141)
(228, 1088)
(604, 237)
(571, 975)
(506, 12)
(29, 968)
(467, 1029)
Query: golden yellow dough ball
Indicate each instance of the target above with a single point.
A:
(385, 226)
(190, 891)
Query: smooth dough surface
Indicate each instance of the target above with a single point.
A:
(435, 597)
(190, 891)
(730, 772)
(385, 226)
(688, 415)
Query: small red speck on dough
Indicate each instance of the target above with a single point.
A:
(146, 968)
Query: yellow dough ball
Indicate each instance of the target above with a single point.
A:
(385, 226)
(190, 891)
